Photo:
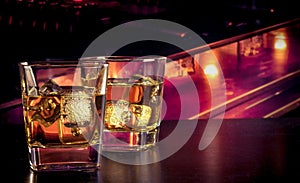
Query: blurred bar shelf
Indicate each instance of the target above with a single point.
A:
(250, 67)
(262, 81)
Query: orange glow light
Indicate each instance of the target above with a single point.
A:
(211, 70)
(280, 43)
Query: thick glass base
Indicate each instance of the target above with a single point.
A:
(64, 159)
(128, 140)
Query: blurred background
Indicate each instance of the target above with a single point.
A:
(62, 29)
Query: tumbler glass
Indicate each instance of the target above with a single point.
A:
(63, 107)
(134, 97)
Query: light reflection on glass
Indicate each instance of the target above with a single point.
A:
(76, 176)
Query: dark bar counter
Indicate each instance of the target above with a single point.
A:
(243, 150)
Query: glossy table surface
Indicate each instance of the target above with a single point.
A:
(243, 150)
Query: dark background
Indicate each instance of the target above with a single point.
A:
(62, 29)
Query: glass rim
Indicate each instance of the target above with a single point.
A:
(125, 58)
(61, 63)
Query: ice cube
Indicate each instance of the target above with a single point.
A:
(154, 94)
(117, 114)
(77, 108)
(49, 111)
(49, 88)
(122, 114)
(144, 79)
(142, 114)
